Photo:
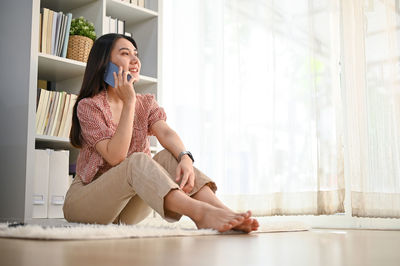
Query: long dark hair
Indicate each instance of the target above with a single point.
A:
(93, 79)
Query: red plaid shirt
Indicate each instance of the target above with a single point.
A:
(96, 123)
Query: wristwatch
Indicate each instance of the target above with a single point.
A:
(184, 153)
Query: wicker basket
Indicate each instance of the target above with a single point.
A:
(79, 47)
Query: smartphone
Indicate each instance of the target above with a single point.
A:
(108, 75)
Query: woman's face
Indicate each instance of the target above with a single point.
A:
(124, 54)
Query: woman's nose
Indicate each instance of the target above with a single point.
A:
(134, 58)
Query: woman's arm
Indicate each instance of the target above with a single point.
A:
(168, 138)
(172, 142)
(114, 150)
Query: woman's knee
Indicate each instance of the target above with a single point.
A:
(138, 158)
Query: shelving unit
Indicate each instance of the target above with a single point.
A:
(52, 67)
(128, 12)
(67, 75)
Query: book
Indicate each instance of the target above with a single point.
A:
(134, 2)
(51, 86)
(40, 184)
(68, 122)
(141, 3)
(40, 106)
(58, 32)
(120, 26)
(49, 31)
(40, 31)
(58, 182)
(43, 114)
(57, 118)
(51, 114)
(44, 29)
(37, 97)
(47, 112)
(41, 109)
(62, 34)
(112, 25)
(42, 84)
(60, 131)
(66, 38)
(55, 32)
(54, 114)
(106, 25)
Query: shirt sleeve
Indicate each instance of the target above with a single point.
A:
(156, 113)
(93, 123)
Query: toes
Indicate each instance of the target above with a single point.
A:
(245, 227)
(248, 222)
(224, 228)
(246, 215)
(254, 225)
(239, 218)
(236, 221)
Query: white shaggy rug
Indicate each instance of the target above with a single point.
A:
(152, 227)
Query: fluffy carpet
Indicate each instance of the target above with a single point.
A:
(152, 227)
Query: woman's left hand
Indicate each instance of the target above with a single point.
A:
(185, 172)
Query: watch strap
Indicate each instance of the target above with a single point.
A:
(185, 153)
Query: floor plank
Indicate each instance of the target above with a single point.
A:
(315, 247)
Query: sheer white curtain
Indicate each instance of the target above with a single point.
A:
(253, 89)
(372, 61)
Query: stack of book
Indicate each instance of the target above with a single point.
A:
(50, 183)
(54, 113)
(114, 25)
(54, 32)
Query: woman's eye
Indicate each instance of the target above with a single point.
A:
(124, 53)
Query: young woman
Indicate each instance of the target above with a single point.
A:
(117, 180)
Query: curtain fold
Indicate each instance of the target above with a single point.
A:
(372, 103)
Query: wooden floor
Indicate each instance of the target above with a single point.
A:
(316, 247)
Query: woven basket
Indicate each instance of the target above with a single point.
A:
(79, 47)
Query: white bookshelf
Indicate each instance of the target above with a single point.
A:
(46, 138)
(52, 67)
(130, 13)
(67, 74)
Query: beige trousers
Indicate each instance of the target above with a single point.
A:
(127, 192)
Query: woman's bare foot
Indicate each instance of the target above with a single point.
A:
(205, 194)
(219, 219)
(248, 225)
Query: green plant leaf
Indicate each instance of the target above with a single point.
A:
(81, 26)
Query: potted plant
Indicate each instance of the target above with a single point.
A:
(82, 35)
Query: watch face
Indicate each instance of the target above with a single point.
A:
(188, 154)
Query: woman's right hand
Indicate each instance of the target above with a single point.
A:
(124, 88)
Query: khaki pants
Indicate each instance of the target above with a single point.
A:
(127, 192)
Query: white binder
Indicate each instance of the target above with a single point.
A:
(40, 184)
(58, 182)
